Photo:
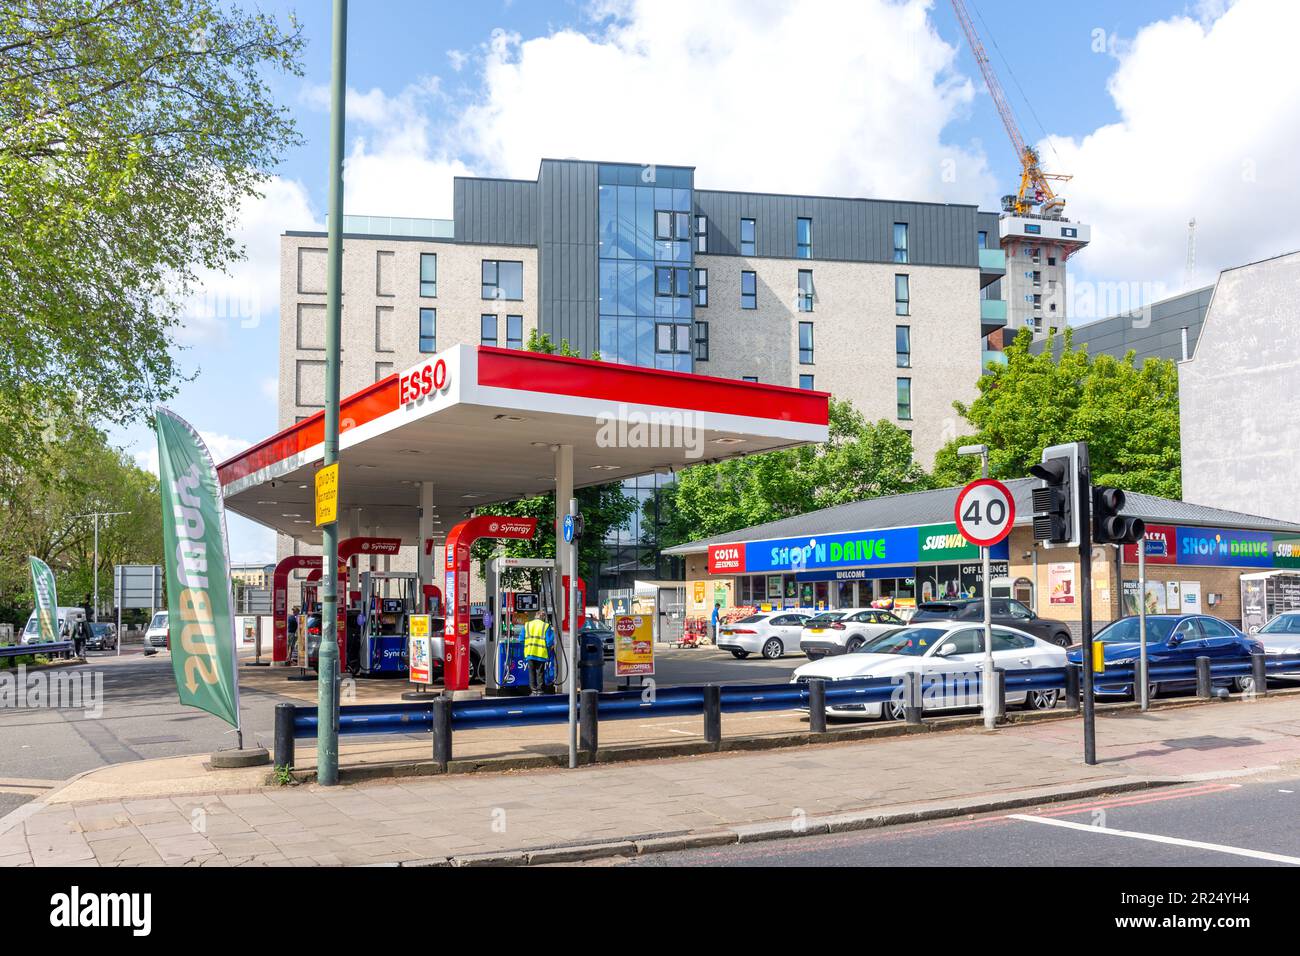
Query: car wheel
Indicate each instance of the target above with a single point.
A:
(1062, 639)
(740, 655)
(773, 649)
(893, 710)
(1243, 685)
(1041, 699)
(853, 644)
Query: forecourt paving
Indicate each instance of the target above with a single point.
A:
(232, 818)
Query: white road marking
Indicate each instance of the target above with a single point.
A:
(1157, 838)
(1286, 791)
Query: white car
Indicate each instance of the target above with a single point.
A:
(770, 633)
(68, 619)
(952, 649)
(157, 634)
(844, 631)
(1281, 636)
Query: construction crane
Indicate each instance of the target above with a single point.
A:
(1035, 192)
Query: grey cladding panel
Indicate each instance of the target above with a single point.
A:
(496, 211)
(856, 230)
(568, 193)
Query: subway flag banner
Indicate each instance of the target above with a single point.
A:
(202, 628)
(47, 600)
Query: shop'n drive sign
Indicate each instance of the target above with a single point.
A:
(726, 558)
(423, 380)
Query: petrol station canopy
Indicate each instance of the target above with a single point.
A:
(483, 425)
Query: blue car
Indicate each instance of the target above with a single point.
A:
(1172, 639)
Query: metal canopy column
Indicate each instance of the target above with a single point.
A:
(423, 561)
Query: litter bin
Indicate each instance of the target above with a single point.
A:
(591, 662)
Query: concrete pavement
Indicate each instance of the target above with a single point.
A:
(638, 807)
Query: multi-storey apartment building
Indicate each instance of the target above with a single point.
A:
(1035, 289)
(883, 303)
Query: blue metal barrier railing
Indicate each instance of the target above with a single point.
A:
(688, 700)
(46, 649)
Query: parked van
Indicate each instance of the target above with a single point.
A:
(69, 618)
(157, 634)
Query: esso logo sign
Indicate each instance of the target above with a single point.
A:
(985, 512)
(423, 380)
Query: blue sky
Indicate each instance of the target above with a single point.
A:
(1154, 106)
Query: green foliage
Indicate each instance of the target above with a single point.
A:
(859, 460)
(1128, 415)
(132, 133)
(605, 508)
(68, 472)
(282, 776)
(539, 341)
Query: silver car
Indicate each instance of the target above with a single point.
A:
(832, 633)
(1281, 636)
(770, 633)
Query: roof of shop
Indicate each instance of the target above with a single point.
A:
(934, 507)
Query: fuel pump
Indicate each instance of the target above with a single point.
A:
(387, 602)
(506, 672)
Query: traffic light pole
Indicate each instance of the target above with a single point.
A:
(1085, 606)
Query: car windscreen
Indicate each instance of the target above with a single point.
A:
(936, 612)
(823, 619)
(914, 641)
(32, 626)
(1126, 631)
(1282, 624)
(159, 620)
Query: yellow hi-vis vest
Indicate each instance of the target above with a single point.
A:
(535, 648)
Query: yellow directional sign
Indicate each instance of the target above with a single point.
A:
(327, 495)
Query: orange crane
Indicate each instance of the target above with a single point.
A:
(1035, 189)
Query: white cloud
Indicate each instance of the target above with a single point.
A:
(221, 447)
(394, 166)
(829, 96)
(250, 294)
(1209, 128)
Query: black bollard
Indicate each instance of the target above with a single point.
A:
(713, 714)
(588, 723)
(817, 705)
(284, 735)
(1203, 684)
(442, 732)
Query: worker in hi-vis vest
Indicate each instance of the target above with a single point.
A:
(539, 646)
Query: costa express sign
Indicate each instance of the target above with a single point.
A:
(726, 558)
(423, 380)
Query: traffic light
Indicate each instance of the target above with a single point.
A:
(1056, 519)
(1108, 525)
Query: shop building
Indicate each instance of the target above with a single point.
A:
(906, 548)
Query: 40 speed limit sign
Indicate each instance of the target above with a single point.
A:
(985, 512)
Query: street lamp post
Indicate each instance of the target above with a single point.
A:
(96, 515)
(988, 682)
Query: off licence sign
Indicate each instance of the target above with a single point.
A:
(985, 512)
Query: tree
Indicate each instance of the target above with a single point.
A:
(72, 471)
(1127, 414)
(132, 131)
(859, 460)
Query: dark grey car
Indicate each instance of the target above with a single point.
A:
(1006, 611)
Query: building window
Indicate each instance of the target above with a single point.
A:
(701, 341)
(672, 338)
(1038, 278)
(806, 382)
(514, 331)
(1069, 232)
(803, 238)
(749, 378)
(748, 290)
(900, 242)
(905, 399)
(702, 288)
(503, 280)
(983, 239)
(428, 330)
(748, 242)
(903, 346)
(805, 290)
(487, 330)
(1051, 260)
(805, 343)
(672, 282)
(701, 234)
(428, 275)
(902, 296)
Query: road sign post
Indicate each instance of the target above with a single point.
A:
(572, 528)
(985, 513)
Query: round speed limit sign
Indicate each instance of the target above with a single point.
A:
(985, 512)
